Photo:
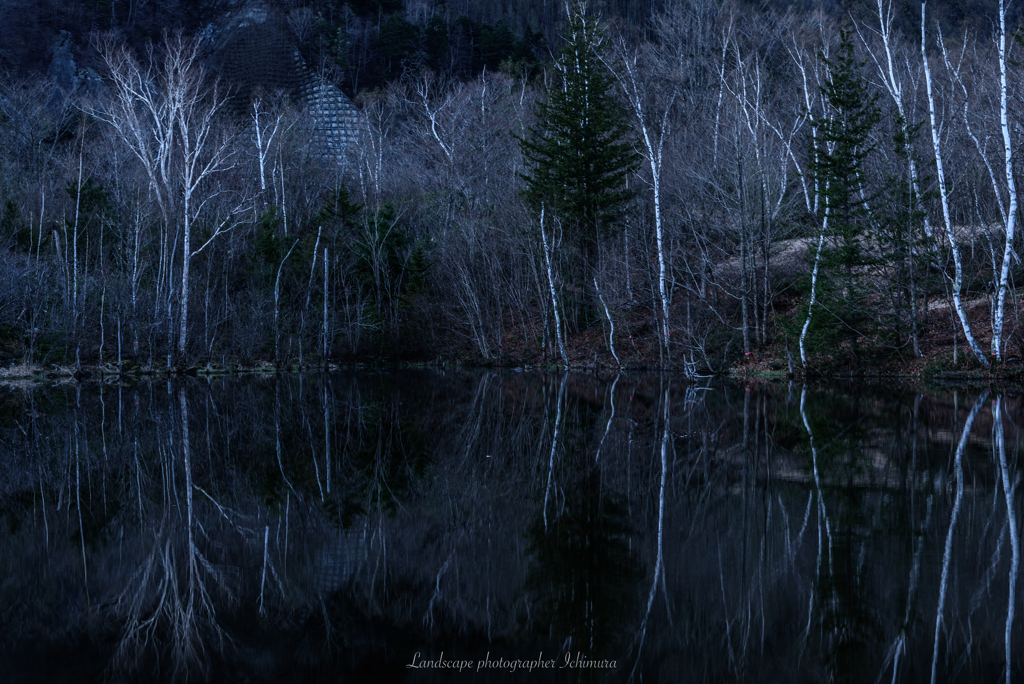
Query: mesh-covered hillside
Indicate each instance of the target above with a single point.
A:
(256, 55)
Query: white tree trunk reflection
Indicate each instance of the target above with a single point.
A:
(165, 595)
(899, 646)
(554, 448)
(659, 568)
(1011, 517)
(415, 533)
(823, 520)
(948, 553)
(608, 425)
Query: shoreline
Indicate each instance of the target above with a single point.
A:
(924, 374)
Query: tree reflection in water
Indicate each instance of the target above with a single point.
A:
(584, 571)
(337, 525)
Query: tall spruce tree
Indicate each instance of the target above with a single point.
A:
(578, 150)
(901, 218)
(840, 149)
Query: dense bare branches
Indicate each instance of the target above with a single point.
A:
(166, 114)
(167, 224)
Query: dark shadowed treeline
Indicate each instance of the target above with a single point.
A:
(803, 183)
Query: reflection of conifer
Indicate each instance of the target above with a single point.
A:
(584, 571)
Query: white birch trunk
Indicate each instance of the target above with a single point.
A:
(277, 302)
(895, 88)
(652, 152)
(814, 285)
(136, 277)
(186, 261)
(656, 181)
(551, 288)
(944, 197)
(312, 273)
(326, 289)
(1011, 191)
(74, 242)
(263, 146)
(611, 324)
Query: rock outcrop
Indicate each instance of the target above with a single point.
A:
(67, 80)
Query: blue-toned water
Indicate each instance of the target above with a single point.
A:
(506, 526)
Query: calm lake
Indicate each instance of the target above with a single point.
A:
(507, 526)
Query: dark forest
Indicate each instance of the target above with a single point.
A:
(694, 185)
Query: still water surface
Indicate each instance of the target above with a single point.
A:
(571, 528)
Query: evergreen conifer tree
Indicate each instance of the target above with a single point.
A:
(901, 232)
(843, 143)
(578, 150)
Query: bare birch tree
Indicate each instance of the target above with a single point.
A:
(812, 205)
(651, 107)
(264, 133)
(1005, 189)
(166, 114)
(749, 87)
(957, 280)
